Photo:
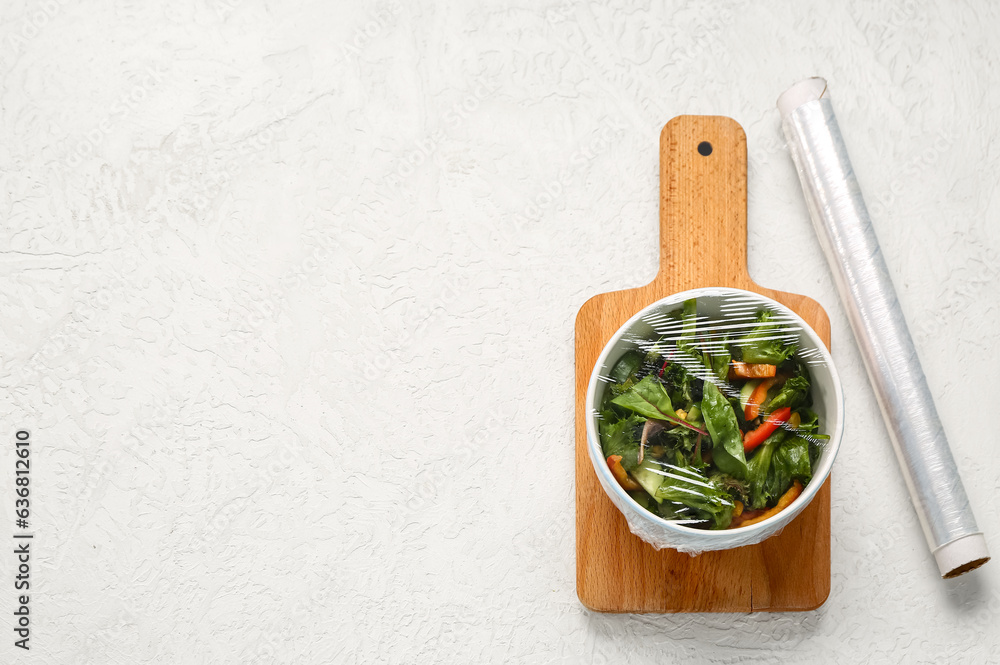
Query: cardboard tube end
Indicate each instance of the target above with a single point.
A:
(960, 556)
(801, 93)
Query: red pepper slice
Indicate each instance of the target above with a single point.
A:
(756, 437)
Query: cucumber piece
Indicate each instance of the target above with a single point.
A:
(649, 476)
(747, 390)
(626, 366)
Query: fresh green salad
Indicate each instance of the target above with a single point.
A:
(710, 424)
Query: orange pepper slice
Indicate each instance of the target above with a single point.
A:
(757, 398)
(786, 500)
(740, 370)
(618, 471)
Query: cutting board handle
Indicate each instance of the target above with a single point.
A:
(703, 176)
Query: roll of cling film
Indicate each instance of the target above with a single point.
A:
(845, 232)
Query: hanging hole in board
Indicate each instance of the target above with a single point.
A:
(705, 148)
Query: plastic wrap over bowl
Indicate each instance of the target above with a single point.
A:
(722, 305)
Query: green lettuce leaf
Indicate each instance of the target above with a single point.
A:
(686, 486)
(759, 471)
(792, 394)
(719, 363)
(781, 459)
(689, 326)
(766, 343)
(618, 437)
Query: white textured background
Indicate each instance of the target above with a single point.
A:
(288, 292)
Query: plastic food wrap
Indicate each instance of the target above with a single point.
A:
(667, 405)
(845, 232)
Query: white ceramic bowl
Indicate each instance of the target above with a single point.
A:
(828, 403)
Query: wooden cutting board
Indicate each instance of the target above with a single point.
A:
(703, 242)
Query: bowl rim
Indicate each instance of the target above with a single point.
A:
(818, 480)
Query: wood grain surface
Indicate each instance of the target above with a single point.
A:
(703, 242)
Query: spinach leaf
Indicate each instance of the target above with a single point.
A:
(720, 420)
(791, 462)
(767, 342)
(738, 411)
(792, 394)
(619, 437)
(647, 398)
(809, 430)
